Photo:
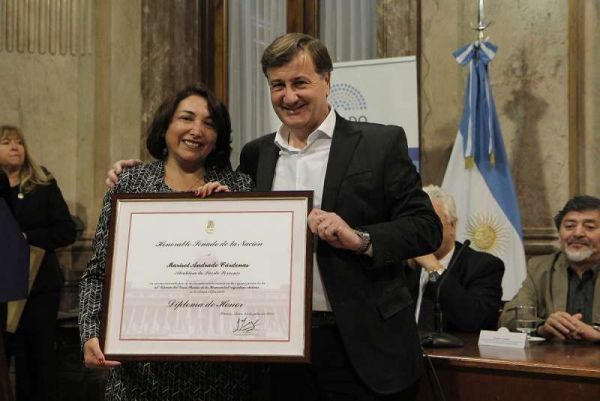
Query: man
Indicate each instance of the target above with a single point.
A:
(370, 216)
(471, 294)
(564, 286)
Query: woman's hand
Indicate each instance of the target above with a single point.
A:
(93, 356)
(209, 188)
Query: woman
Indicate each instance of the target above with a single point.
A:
(44, 219)
(190, 136)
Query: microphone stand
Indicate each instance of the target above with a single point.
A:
(439, 339)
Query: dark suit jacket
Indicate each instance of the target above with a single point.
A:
(470, 297)
(4, 188)
(372, 184)
(546, 286)
(44, 217)
(14, 251)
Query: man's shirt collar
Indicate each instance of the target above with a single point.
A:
(326, 128)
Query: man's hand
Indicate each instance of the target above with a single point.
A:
(429, 263)
(334, 230)
(586, 332)
(209, 188)
(561, 325)
(93, 356)
(112, 176)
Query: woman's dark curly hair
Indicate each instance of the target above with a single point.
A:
(156, 144)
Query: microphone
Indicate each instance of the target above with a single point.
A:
(438, 338)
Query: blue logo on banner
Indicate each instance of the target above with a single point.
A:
(347, 97)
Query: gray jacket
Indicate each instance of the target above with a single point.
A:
(546, 286)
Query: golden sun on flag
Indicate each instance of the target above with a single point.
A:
(487, 233)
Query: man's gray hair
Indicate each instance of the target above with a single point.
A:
(447, 201)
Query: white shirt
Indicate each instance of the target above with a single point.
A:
(424, 279)
(304, 169)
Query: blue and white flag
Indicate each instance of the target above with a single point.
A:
(478, 175)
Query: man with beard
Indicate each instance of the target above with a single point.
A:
(564, 285)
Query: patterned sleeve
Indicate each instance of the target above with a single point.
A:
(91, 284)
(246, 183)
(237, 182)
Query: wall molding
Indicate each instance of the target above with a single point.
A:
(540, 240)
(53, 27)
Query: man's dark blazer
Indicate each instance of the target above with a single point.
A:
(471, 295)
(372, 184)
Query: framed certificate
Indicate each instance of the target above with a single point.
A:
(225, 278)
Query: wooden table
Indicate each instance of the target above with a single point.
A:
(544, 371)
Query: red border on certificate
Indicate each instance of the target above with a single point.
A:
(225, 278)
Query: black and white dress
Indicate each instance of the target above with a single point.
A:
(156, 381)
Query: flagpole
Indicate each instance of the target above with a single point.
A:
(481, 25)
(480, 17)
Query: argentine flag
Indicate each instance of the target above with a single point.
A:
(478, 175)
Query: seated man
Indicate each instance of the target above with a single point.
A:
(564, 285)
(470, 296)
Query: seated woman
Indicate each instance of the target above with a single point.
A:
(190, 135)
(45, 221)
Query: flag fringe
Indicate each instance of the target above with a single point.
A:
(469, 162)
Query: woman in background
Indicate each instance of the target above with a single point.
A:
(190, 135)
(46, 223)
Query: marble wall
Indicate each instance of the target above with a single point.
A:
(39, 95)
(117, 97)
(79, 108)
(397, 28)
(590, 85)
(170, 52)
(77, 99)
(530, 82)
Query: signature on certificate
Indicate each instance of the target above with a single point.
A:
(246, 326)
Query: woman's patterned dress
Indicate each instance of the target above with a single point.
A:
(156, 381)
